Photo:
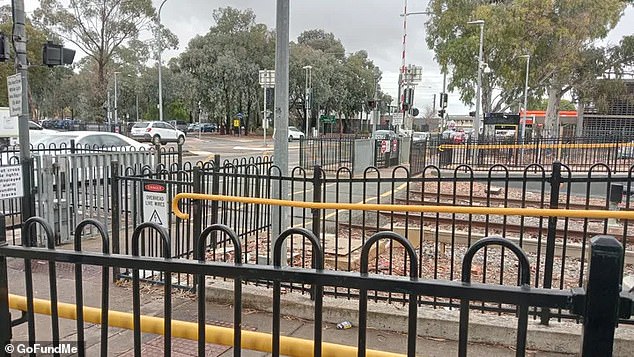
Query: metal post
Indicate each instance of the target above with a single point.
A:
(5, 314)
(555, 182)
(137, 107)
(479, 91)
(316, 198)
(307, 96)
(602, 297)
(265, 119)
(197, 211)
(280, 215)
(160, 79)
(215, 190)
(116, 214)
(402, 78)
(21, 65)
(376, 113)
(116, 104)
(444, 109)
(528, 61)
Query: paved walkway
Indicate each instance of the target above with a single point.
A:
(120, 341)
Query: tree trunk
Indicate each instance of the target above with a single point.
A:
(580, 109)
(552, 111)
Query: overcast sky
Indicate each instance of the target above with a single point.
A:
(371, 25)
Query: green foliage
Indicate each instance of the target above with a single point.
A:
(557, 35)
(106, 31)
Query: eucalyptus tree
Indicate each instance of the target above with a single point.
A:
(107, 31)
(557, 35)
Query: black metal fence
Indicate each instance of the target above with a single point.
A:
(599, 304)
(72, 182)
(386, 152)
(556, 247)
(329, 152)
(578, 153)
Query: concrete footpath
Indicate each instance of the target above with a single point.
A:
(184, 308)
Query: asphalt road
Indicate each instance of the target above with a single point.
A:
(231, 147)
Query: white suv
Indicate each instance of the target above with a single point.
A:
(157, 132)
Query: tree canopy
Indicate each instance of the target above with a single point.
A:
(559, 36)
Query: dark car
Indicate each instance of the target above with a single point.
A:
(208, 127)
(180, 125)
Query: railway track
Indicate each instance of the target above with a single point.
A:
(462, 225)
(448, 199)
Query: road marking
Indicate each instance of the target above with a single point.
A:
(371, 199)
(250, 148)
(201, 153)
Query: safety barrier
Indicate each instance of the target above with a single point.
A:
(251, 340)
(578, 153)
(600, 304)
(504, 211)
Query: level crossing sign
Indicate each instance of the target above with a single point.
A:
(155, 204)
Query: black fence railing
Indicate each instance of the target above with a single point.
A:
(599, 304)
(329, 152)
(578, 153)
(386, 152)
(556, 247)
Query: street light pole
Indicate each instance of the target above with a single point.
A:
(528, 61)
(160, 78)
(308, 88)
(116, 103)
(476, 122)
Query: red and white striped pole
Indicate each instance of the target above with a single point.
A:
(403, 80)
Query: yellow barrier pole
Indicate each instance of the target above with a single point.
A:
(503, 211)
(255, 341)
(544, 146)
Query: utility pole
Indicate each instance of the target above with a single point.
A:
(160, 78)
(21, 66)
(280, 215)
(376, 114)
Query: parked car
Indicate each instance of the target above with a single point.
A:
(157, 132)
(36, 132)
(191, 128)
(179, 125)
(384, 135)
(209, 127)
(91, 139)
(420, 136)
(87, 142)
(294, 134)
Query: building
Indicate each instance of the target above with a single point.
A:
(616, 119)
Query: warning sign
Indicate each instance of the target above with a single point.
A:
(14, 89)
(11, 182)
(155, 205)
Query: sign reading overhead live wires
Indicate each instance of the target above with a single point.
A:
(155, 205)
(11, 182)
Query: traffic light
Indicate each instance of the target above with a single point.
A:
(56, 55)
(4, 48)
(472, 114)
(441, 113)
(443, 100)
(409, 96)
(371, 104)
